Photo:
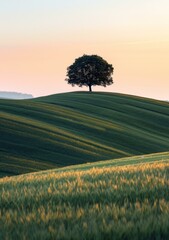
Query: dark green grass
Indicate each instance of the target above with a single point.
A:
(74, 128)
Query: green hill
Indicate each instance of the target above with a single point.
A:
(78, 127)
(90, 201)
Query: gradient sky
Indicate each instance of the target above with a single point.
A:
(39, 39)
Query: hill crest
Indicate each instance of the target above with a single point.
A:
(78, 127)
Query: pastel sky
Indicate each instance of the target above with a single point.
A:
(39, 39)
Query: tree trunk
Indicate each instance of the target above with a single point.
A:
(90, 88)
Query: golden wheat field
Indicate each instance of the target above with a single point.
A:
(108, 202)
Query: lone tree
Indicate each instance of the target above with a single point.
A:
(90, 70)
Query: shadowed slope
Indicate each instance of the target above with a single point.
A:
(74, 128)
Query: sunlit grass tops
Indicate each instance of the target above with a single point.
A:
(101, 201)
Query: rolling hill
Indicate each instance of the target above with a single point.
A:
(78, 127)
(124, 198)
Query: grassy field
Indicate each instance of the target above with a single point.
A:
(117, 199)
(74, 128)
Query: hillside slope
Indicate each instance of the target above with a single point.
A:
(90, 201)
(74, 128)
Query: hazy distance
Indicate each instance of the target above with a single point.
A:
(15, 95)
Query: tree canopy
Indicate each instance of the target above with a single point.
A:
(90, 70)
